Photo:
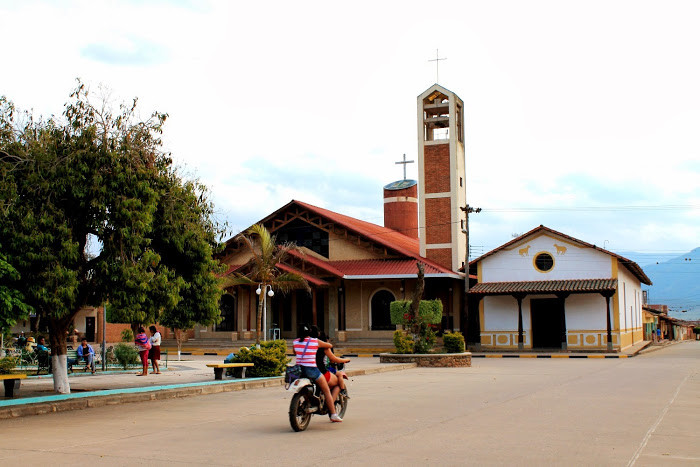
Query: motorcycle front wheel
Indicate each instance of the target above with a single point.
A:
(299, 414)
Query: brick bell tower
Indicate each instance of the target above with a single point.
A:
(441, 177)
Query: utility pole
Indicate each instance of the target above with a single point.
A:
(467, 210)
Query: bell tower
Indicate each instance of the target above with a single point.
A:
(441, 177)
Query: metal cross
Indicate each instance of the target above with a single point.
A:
(404, 162)
(437, 65)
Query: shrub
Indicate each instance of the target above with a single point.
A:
(454, 342)
(425, 340)
(696, 329)
(127, 335)
(126, 354)
(270, 359)
(429, 311)
(403, 342)
(7, 364)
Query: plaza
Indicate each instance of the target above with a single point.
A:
(633, 411)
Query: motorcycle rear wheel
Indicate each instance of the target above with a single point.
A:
(299, 415)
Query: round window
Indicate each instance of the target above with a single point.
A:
(544, 262)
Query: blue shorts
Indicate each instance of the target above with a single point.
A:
(311, 372)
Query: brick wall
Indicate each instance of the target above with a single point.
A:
(436, 164)
(438, 228)
(402, 215)
(442, 256)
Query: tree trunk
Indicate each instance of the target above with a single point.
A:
(57, 339)
(178, 339)
(416, 298)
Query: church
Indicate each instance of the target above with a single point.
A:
(542, 290)
(355, 268)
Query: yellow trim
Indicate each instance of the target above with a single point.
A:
(494, 356)
(528, 356)
(534, 263)
(479, 272)
(554, 355)
(481, 314)
(615, 298)
(596, 356)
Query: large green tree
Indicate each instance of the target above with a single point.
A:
(12, 306)
(89, 207)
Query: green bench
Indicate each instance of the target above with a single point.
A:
(12, 382)
(219, 368)
(72, 355)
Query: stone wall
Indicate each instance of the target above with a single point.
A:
(429, 360)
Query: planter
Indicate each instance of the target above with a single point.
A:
(431, 360)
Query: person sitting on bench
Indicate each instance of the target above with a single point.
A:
(86, 353)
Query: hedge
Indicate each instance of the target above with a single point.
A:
(430, 311)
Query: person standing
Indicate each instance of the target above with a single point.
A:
(154, 353)
(144, 345)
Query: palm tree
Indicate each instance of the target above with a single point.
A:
(266, 255)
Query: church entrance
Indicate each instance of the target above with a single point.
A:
(547, 316)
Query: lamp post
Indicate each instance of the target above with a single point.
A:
(271, 294)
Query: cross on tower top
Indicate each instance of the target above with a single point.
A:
(437, 64)
(404, 162)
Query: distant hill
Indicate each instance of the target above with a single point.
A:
(676, 281)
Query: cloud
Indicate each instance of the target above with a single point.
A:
(126, 51)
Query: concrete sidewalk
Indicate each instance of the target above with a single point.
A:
(185, 378)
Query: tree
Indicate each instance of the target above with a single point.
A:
(97, 177)
(418, 315)
(263, 271)
(12, 306)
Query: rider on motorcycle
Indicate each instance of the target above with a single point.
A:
(334, 378)
(305, 348)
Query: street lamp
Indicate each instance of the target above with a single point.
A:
(270, 293)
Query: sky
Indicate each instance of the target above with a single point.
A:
(582, 116)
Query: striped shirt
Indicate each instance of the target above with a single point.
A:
(307, 358)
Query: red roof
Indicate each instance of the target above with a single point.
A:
(309, 278)
(389, 267)
(325, 265)
(628, 263)
(389, 238)
(537, 287)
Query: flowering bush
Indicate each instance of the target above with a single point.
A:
(419, 326)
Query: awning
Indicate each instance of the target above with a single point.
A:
(545, 287)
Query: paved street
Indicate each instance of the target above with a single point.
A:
(642, 411)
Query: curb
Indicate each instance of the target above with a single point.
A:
(79, 401)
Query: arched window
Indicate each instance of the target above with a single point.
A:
(227, 305)
(379, 309)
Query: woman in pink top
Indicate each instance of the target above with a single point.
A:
(305, 348)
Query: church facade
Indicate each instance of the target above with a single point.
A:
(547, 290)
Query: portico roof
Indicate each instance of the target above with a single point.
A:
(545, 287)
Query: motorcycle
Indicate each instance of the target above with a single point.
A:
(308, 400)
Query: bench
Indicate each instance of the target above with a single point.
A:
(219, 368)
(12, 382)
(72, 356)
